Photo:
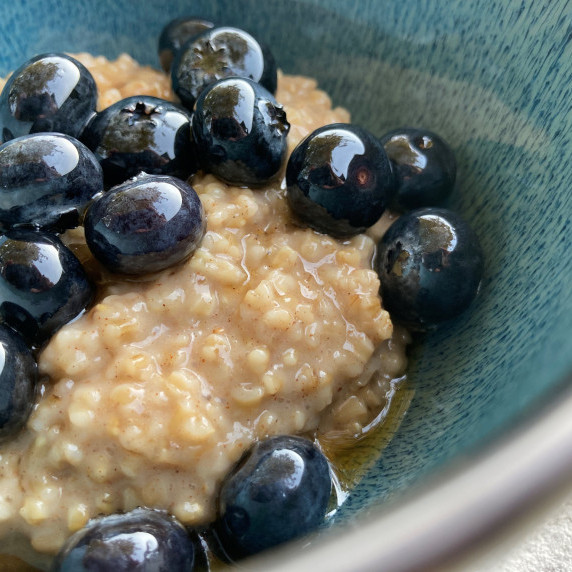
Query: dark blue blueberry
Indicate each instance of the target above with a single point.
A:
(141, 133)
(430, 265)
(424, 167)
(339, 180)
(42, 284)
(217, 54)
(176, 33)
(278, 491)
(144, 225)
(50, 92)
(143, 540)
(240, 132)
(46, 181)
(18, 373)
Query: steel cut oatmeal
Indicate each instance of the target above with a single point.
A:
(151, 396)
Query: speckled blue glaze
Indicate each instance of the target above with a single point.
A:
(493, 78)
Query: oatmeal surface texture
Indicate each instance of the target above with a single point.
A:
(152, 395)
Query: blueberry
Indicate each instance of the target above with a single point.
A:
(143, 540)
(278, 491)
(50, 92)
(18, 374)
(176, 33)
(144, 225)
(46, 181)
(42, 284)
(339, 180)
(240, 132)
(424, 167)
(430, 265)
(220, 53)
(141, 133)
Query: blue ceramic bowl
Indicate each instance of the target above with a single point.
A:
(493, 78)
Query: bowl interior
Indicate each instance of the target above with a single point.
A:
(492, 79)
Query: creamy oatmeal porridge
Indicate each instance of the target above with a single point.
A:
(152, 395)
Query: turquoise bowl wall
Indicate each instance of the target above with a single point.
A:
(493, 77)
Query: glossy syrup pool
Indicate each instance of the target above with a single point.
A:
(350, 460)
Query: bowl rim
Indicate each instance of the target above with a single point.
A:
(531, 463)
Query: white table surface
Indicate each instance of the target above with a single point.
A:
(545, 546)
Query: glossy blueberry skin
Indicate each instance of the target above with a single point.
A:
(278, 491)
(424, 165)
(46, 181)
(339, 180)
(220, 53)
(18, 376)
(145, 225)
(42, 284)
(430, 265)
(175, 34)
(50, 92)
(141, 133)
(240, 132)
(143, 540)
